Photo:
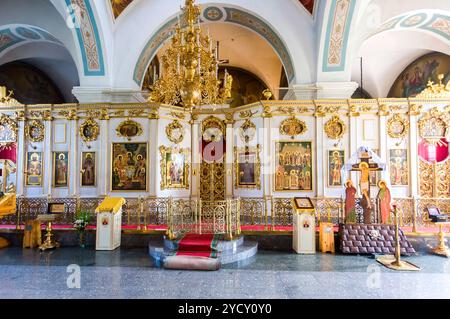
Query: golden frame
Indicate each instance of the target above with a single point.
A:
(293, 127)
(54, 166)
(257, 167)
(64, 140)
(7, 121)
(42, 170)
(245, 128)
(94, 127)
(175, 125)
(147, 162)
(313, 173)
(397, 119)
(96, 170)
(408, 168)
(440, 119)
(163, 166)
(129, 122)
(38, 125)
(328, 167)
(331, 128)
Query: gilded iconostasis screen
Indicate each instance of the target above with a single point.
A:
(129, 167)
(293, 166)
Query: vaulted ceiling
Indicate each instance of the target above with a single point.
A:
(118, 6)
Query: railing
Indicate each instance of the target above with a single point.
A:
(268, 213)
(200, 217)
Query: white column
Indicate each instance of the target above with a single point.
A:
(383, 138)
(355, 138)
(74, 162)
(320, 158)
(414, 156)
(21, 156)
(104, 161)
(195, 159)
(48, 158)
(154, 156)
(267, 164)
(229, 160)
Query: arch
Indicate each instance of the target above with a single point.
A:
(417, 33)
(218, 13)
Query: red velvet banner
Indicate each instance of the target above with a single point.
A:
(434, 153)
(9, 152)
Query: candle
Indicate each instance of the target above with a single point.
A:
(2, 91)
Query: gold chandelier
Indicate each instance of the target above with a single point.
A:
(190, 67)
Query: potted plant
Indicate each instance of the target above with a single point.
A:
(80, 224)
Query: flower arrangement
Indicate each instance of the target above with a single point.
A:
(81, 221)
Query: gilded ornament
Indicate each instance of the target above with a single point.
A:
(335, 128)
(247, 131)
(433, 126)
(213, 129)
(353, 111)
(293, 127)
(8, 130)
(70, 115)
(247, 114)
(174, 168)
(129, 129)
(267, 94)
(89, 130)
(178, 115)
(267, 111)
(104, 115)
(175, 132)
(436, 91)
(135, 113)
(20, 116)
(47, 116)
(35, 131)
(383, 110)
(397, 126)
(415, 109)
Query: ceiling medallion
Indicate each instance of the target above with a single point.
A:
(35, 131)
(175, 132)
(433, 126)
(129, 129)
(247, 131)
(397, 126)
(293, 127)
(89, 130)
(335, 128)
(8, 130)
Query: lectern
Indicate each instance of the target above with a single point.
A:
(109, 223)
(304, 217)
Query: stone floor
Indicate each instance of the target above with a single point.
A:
(128, 273)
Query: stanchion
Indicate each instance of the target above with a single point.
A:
(395, 262)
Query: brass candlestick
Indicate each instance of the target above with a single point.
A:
(396, 263)
(442, 249)
(49, 242)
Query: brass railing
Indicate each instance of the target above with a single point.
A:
(204, 217)
(268, 213)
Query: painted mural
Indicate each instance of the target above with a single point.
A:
(30, 85)
(118, 6)
(415, 77)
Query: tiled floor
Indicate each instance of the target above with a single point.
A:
(130, 274)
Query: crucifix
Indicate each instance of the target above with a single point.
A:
(365, 167)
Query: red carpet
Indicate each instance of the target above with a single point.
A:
(197, 245)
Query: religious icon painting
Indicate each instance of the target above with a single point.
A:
(398, 165)
(247, 167)
(60, 169)
(88, 169)
(129, 167)
(174, 168)
(89, 130)
(129, 129)
(293, 166)
(34, 169)
(8, 130)
(336, 160)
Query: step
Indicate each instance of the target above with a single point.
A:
(220, 246)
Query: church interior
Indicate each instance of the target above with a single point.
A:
(294, 141)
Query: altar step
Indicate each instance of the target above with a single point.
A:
(221, 252)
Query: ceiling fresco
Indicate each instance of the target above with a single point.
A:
(118, 6)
